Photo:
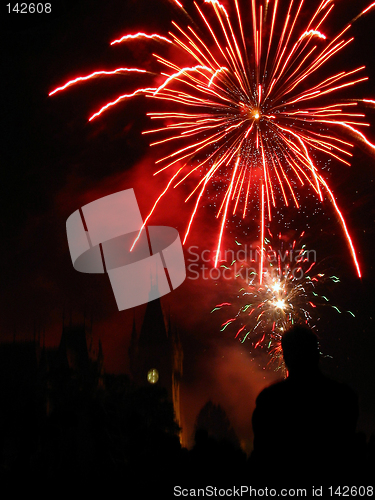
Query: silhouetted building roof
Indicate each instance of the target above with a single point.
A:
(73, 346)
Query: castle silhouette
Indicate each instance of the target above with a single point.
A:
(63, 415)
(37, 383)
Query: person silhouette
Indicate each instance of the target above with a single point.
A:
(304, 426)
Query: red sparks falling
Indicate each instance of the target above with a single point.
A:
(261, 240)
(248, 107)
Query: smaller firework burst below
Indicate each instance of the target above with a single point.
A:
(288, 293)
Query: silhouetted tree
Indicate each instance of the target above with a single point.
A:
(215, 421)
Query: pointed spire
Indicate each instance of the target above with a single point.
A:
(91, 320)
(169, 327)
(133, 348)
(153, 330)
(134, 329)
(100, 365)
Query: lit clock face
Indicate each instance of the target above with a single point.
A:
(152, 376)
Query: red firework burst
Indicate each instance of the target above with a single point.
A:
(251, 110)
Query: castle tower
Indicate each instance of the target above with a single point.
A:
(156, 355)
(150, 351)
(73, 347)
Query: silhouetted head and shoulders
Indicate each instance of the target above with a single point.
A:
(307, 417)
(300, 348)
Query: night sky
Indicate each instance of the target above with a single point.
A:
(54, 161)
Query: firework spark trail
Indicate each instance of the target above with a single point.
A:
(250, 109)
(288, 293)
(97, 73)
(119, 99)
(261, 240)
(138, 36)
